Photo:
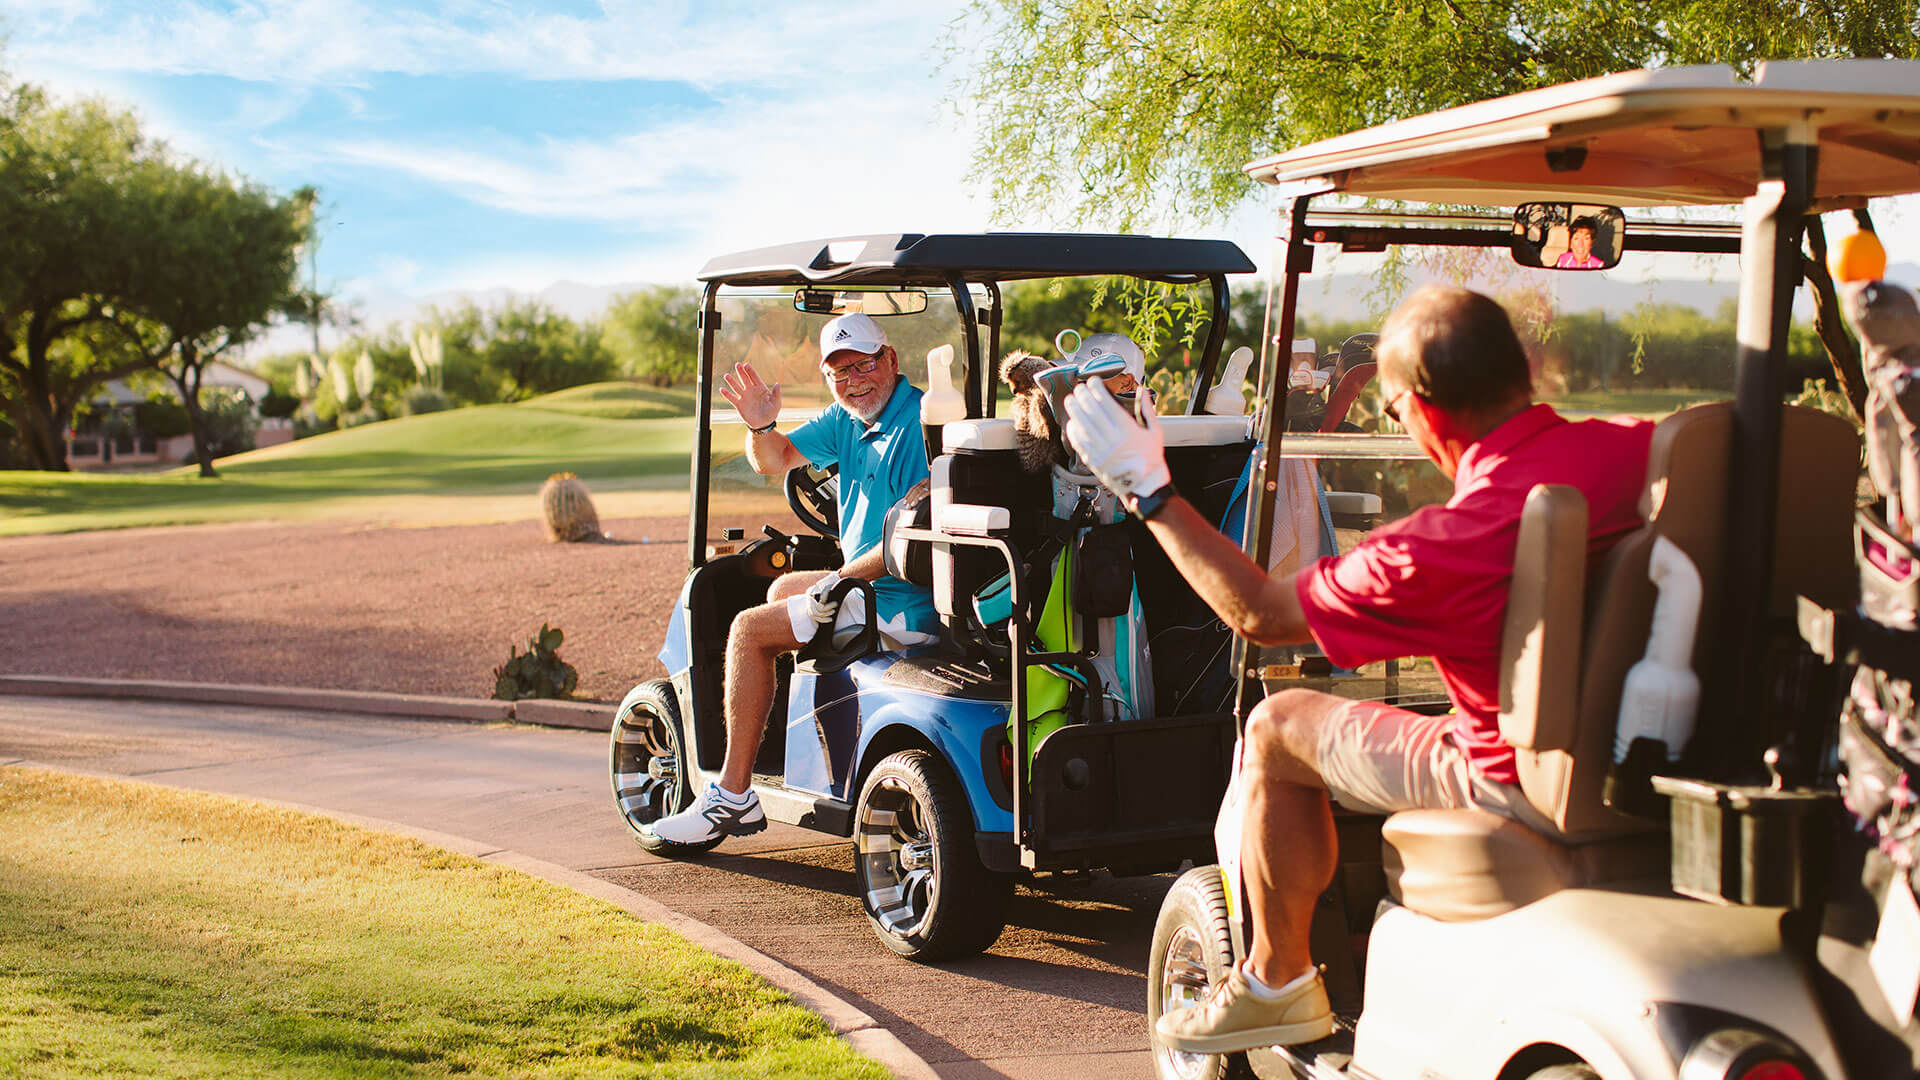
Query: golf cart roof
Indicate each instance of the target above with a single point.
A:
(933, 261)
(1676, 136)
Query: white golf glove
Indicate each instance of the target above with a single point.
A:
(819, 608)
(1129, 459)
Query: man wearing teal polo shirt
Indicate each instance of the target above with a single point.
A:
(872, 431)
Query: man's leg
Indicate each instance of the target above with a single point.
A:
(1288, 851)
(1288, 854)
(754, 644)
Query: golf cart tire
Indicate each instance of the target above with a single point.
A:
(648, 764)
(1570, 1071)
(1192, 952)
(926, 894)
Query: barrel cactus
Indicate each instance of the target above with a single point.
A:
(568, 509)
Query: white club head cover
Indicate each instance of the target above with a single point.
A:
(1128, 458)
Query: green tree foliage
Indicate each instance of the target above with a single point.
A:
(1138, 114)
(62, 264)
(654, 334)
(532, 350)
(218, 264)
(119, 258)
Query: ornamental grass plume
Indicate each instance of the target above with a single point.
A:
(567, 509)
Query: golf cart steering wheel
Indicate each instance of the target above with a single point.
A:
(814, 496)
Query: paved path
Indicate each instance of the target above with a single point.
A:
(1060, 996)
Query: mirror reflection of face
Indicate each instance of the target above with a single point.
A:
(861, 382)
(1581, 241)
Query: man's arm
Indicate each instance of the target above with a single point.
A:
(1255, 605)
(772, 454)
(1131, 461)
(768, 452)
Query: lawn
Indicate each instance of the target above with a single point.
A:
(469, 465)
(1652, 404)
(151, 932)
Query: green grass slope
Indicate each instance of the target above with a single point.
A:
(472, 454)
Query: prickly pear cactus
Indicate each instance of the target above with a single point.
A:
(567, 509)
(537, 673)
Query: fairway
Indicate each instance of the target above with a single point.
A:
(146, 931)
(481, 464)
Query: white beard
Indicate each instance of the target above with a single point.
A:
(872, 411)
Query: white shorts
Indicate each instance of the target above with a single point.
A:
(849, 621)
(1378, 758)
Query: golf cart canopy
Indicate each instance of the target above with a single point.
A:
(1677, 136)
(936, 261)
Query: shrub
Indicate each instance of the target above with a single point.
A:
(567, 509)
(421, 398)
(279, 406)
(366, 414)
(537, 673)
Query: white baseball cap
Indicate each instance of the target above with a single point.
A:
(856, 331)
(1120, 345)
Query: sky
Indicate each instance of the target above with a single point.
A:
(475, 145)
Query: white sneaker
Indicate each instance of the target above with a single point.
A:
(715, 812)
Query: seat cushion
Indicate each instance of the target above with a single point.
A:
(1465, 865)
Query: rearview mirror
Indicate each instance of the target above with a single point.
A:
(849, 301)
(1568, 236)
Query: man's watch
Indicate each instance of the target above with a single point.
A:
(1145, 506)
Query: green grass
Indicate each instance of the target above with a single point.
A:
(151, 932)
(477, 464)
(1648, 403)
(618, 401)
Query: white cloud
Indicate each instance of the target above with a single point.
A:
(347, 40)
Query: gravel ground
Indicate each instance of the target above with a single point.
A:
(412, 610)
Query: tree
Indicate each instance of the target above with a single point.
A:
(1139, 113)
(534, 350)
(62, 260)
(654, 334)
(218, 262)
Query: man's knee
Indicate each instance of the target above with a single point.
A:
(765, 628)
(1284, 729)
(793, 584)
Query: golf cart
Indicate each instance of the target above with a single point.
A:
(911, 752)
(1696, 911)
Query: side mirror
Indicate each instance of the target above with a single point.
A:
(1568, 236)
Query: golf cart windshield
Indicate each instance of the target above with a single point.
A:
(762, 328)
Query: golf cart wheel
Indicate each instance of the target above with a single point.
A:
(925, 892)
(650, 766)
(1574, 1071)
(1192, 951)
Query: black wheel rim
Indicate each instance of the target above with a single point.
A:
(1183, 985)
(895, 850)
(646, 767)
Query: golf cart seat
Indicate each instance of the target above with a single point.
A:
(1568, 646)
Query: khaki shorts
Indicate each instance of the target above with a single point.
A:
(1378, 759)
(850, 620)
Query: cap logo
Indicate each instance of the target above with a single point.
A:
(842, 334)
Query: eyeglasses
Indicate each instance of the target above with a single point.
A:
(858, 367)
(1392, 407)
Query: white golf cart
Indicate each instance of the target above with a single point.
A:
(1688, 919)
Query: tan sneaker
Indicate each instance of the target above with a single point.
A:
(1235, 1018)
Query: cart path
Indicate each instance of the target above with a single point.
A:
(1062, 994)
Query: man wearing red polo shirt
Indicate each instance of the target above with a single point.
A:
(1453, 373)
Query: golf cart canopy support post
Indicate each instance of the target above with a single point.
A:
(702, 430)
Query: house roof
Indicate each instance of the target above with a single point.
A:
(1675, 136)
(217, 374)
